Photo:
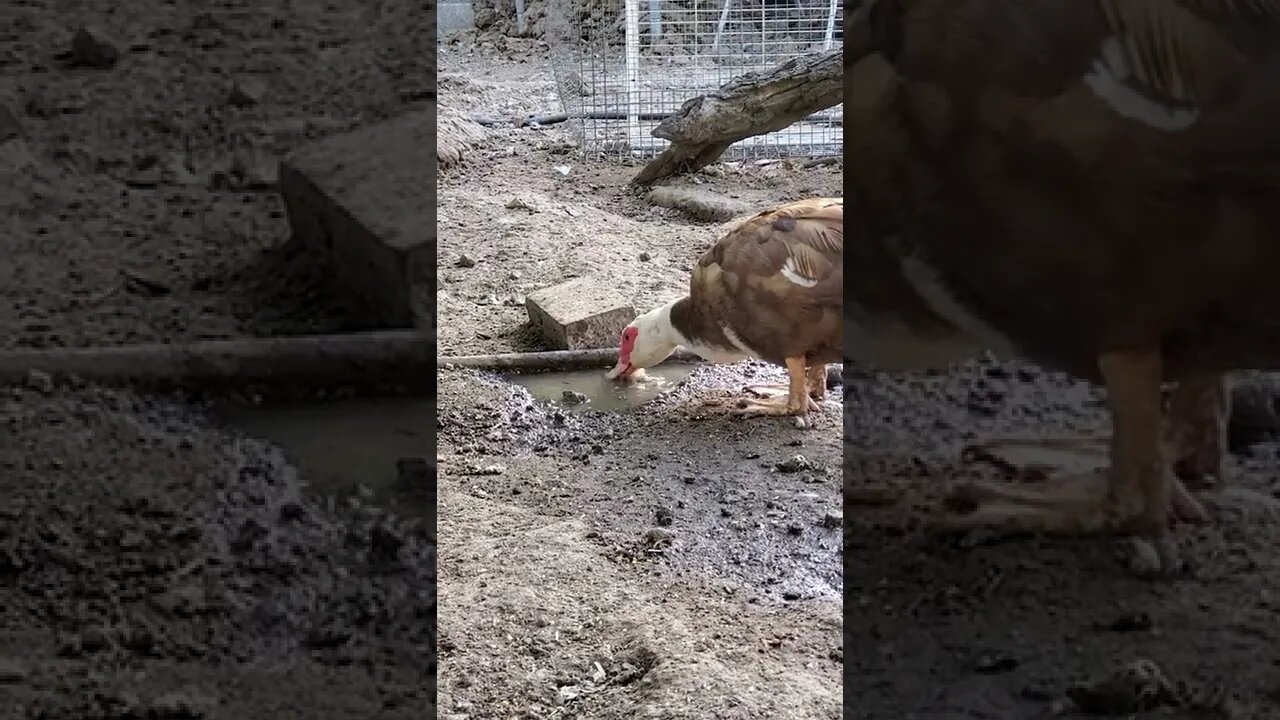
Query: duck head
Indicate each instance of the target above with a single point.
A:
(647, 341)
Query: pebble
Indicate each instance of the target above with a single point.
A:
(40, 381)
(658, 539)
(10, 128)
(11, 671)
(384, 544)
(573, 398)
(465, 261)
(1137, 686)
(90, 47)
(995, 663)
(793, 464)
(521, 203)
(1253, 416)
(292, 511)
(247, 92)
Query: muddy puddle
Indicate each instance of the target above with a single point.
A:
(340, 446)
(591, 390)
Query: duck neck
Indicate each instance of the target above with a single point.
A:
(671, 320)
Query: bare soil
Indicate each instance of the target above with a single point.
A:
(556, 557)
(666, 562)
(153, 562)
(997, 627)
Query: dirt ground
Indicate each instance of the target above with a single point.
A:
(654, 563)
(555, 602)
(1006, 628)
(153, 562)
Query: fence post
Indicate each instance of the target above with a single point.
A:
(632, 62)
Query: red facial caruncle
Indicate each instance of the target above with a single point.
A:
(628, 344)
(623, 369)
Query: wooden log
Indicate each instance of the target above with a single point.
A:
(562, 360)
(391, 356)
(752, 104)
(403, 357)
(699, 204)
(549, 361)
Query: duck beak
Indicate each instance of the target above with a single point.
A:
(622, 370)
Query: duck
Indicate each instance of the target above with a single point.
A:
(770, 289)
(1091, 185)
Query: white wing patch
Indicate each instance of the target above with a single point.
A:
(737, 342)
(1107, 78)
(790, 272)
(930, 287)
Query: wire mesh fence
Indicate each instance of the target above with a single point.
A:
(621, 66)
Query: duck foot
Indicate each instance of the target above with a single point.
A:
(1137, 496)
(775, 400)
(1079, 496)
(1075, 505)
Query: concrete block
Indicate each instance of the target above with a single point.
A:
(579, 314)
(363, 201)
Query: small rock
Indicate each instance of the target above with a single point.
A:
(175, 171)
(250, 533)
(10, 128)
(521, 203)
(292, 512)
(573, 398)
(465, 261)
(562, 170)
(90, 47)
(254, 171)
(657, 539)
(11, 671)
(645, 257)
(793, 464)
(1134, 622)
(40, 381)
(247, 92)
(494, 469)
(121, 704)
(995, 663)
(1254, 416)
(94, 639)
(832, 520)
(1136, 687)
(384, 544)
(132, 540)
(664, 517)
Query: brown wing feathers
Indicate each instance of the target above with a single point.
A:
(776, 283)
(804, 240)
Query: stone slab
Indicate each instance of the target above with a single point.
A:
(579, 314)
(364, 201)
